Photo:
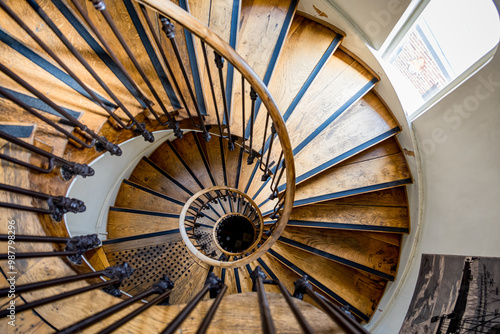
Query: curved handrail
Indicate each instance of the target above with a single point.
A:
(169, 9)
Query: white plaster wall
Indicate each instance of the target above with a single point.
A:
(373, 19)
(459, 141)
(99, 191)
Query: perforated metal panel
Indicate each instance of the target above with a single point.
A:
(151, 263)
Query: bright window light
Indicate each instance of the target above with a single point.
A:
(448, 38)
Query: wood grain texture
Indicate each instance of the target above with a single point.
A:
(190, 153)
(132, 197)
(260, 26)
(125, 224)
(361, 124)
(354, 246)
(36, 24)
(143, 242)
(146, 175)
(165, 158)
(191, 284)
(355, 216)
(305, 44)
(360, 290)
(214, 155)
(377, 166)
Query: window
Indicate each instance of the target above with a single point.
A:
(447, 39)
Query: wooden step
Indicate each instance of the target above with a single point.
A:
(216, 153)
(135, 196)
(150, 175)
(367, 123)
(261, 21)
(124, 222)
(382, 166)
(192, 151)
(379, 211)
(222, 18)
(71, 27)
(133, 27)
(189, 284)
(307, 48)
(361, 250)
(168, 159)
(345, 285)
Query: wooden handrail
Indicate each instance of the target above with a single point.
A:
(174, 12)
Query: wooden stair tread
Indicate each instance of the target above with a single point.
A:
(130, 22)
(166, 158)
(361, 291)
(192, 152)
(261, 20)
(383, 166)
(307, 48)
(214, 155)
(370, 214)
(366, 124)
(351, 248)
(129, 222)
(150, 175)
(342, 80)
(135, 196)
(191, 282)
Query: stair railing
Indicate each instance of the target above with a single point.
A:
(223, 52)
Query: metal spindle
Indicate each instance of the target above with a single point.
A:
(35, 113)
(58, 281)
(212, 285)
(169, 30)
(136, 312)
(253, 97)
(348, 324)
(211, 312)
(159, 288)
(68, 169)
(113, 149)
(219, 62)
(140, 127)
(212, 89)
(265, 167)
(101, 7)
(58, 205)
(51, 53)
(299, 316)
(265, 313)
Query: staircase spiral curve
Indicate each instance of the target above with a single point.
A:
(281, 157)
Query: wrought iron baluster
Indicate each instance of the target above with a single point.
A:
(257, 277)
(212, 89)
(212, 285)
(54, 56)
(166, 286)
(219, 62)
(57, 205)
(253, 97)
(265, 167)
(274, 182)
(101, 7)
(299, 316)
(140, 127)
(68, 169)
(159, 288)
(348, 324)
(113, 149)
(35, 113)
(75, 248)
(169, 30)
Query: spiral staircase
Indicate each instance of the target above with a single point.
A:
(232, 155)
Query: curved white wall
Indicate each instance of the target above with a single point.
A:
(109, 174)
